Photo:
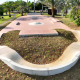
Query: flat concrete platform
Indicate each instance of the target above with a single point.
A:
(48, 28)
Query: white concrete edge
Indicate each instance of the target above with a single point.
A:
(2, 47)
(24, 35)
(1, 34)
(40, 71)
(64, 67)
(23, 69)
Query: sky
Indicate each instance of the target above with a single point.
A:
(2, 1)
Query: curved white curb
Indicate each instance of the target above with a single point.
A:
(1, 35)
(65, 62)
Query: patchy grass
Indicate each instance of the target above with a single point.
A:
(4, 26)
(39, 50)
(67, 21)
(37, 11)
(8, 13)
(47, 14)
(18, 15)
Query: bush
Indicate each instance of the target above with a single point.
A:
(77, 21)
(78, 15)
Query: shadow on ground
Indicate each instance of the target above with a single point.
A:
(31, 18)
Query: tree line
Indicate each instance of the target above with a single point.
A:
(19, 5)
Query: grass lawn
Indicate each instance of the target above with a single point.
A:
(38, 50)
(18, 15)
(4, 26)
(5, 18)
(37, 11)
(46, 14)
(8, 13)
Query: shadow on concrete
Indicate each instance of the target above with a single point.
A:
(60, 21)
(8, 28)
(31, 18)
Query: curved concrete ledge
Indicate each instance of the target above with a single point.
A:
(77, 34)
(1, 35)
(68, 59)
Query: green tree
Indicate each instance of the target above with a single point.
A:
(20, 6)
(42, 1)
(1, 10)
(8, 6)
(23, 6)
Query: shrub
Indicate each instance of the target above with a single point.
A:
(77, 21)
(78, 15)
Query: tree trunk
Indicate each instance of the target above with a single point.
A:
(65, 13)
(34, 6)
(6, 13)
(52, 8)
(9, 13)
(42, 7)
(22, 12)
(27, 6)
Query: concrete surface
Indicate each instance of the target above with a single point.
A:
(49, 26)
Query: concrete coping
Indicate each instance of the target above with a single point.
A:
(68, 59)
